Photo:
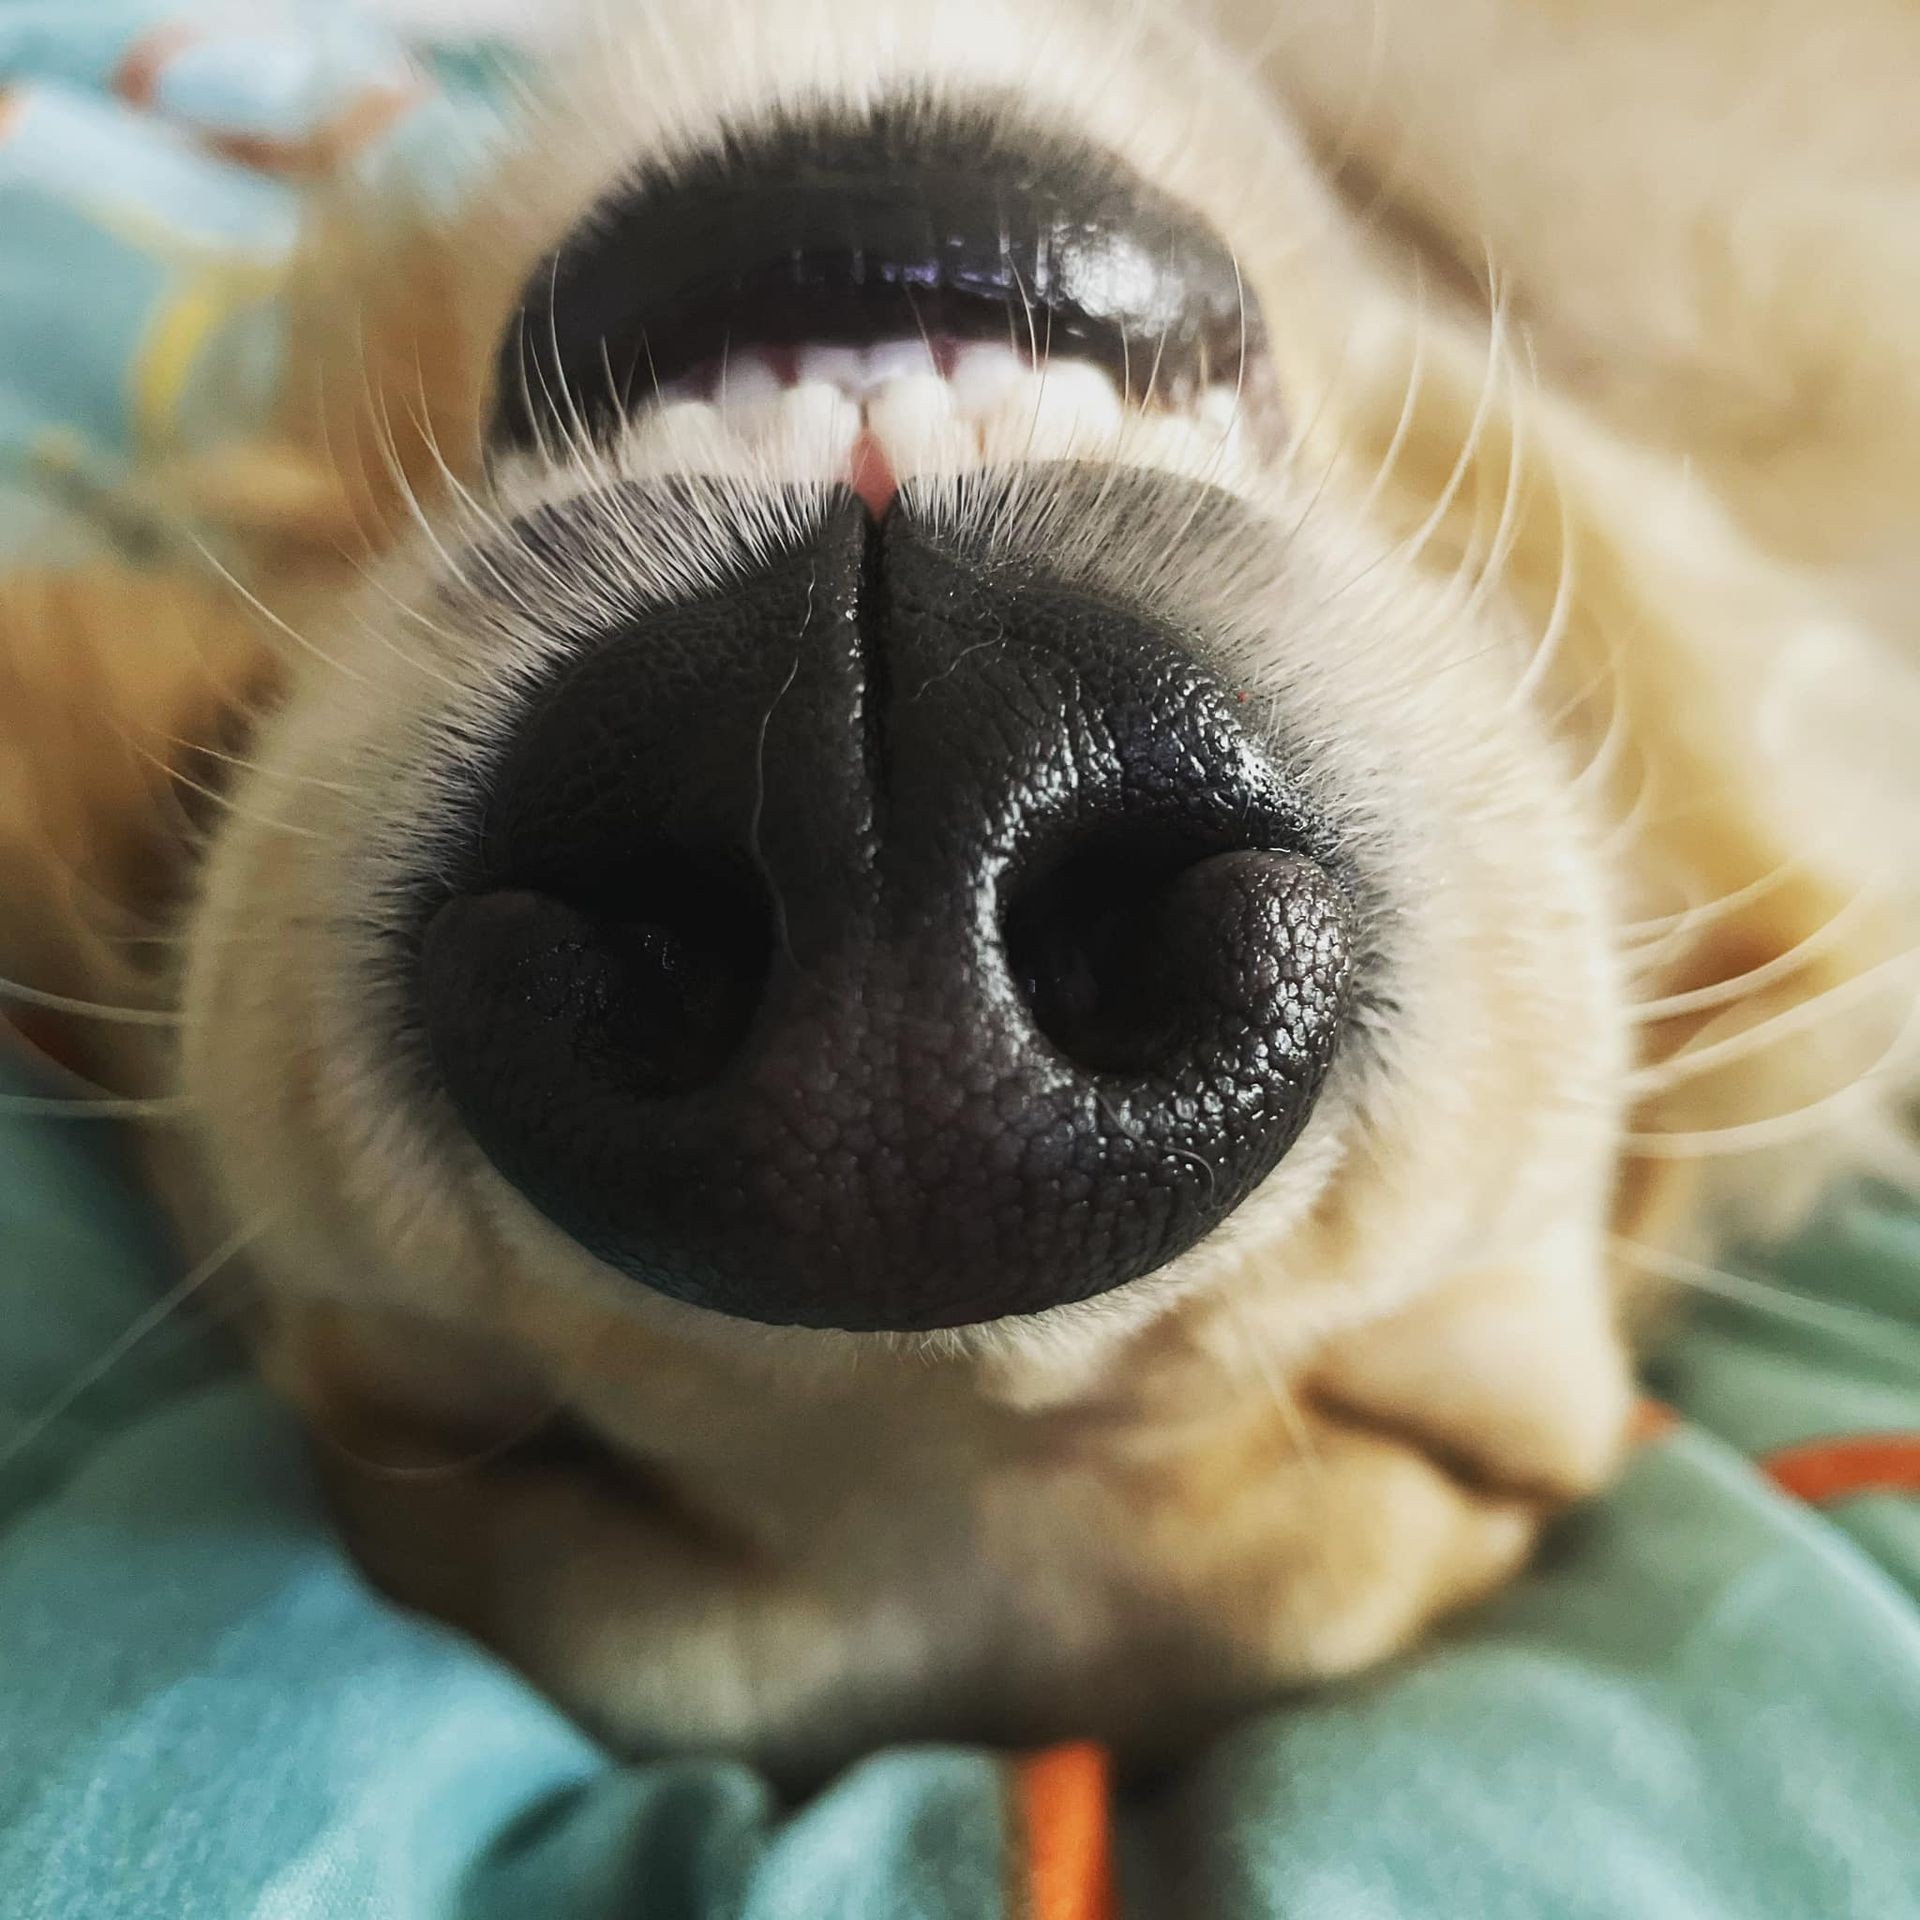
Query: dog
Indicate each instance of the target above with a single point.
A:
(1011, 812)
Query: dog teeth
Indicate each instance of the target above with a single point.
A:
(1066, 408)
(988, 403)
(1221, 407)
(1078, 401)
(814, 426)
(681, 433)
(982, 378)
(842, 367)
(861, 372)
(896, 360)
(916, 419)
(748, 385)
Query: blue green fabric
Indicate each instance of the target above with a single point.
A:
(204, 1712)
(1704, 1703)
(156, 158)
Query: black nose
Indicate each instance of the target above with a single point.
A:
(892, 938)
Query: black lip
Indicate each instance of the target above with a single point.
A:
(910, 222)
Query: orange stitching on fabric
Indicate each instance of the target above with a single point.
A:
(1840, 1468)
(1064, 1849)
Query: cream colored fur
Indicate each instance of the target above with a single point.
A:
(1554, 566)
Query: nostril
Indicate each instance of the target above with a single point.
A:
(1137, 958)
(660, 976)
(1084, 944)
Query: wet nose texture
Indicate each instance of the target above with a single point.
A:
(887, 940)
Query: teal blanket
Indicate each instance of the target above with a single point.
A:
(1704, 1704)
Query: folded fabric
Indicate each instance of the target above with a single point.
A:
(1705, 1701)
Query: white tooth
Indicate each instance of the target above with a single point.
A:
(1078, 401)
(983, 376)
(816, 426)
(831, 366)
(817, 405)
(686, 435)
(1070, 408)
(914, 421)
(1010, 431)
(1220, 407)
(747, 384)
(897, 360)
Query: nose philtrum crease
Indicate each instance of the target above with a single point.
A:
(869, 620)
(756, 849)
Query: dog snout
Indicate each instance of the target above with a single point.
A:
(890, 938)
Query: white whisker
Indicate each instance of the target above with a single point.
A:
(163, 1309)
(87, 1009)
(1692, 1061)
(1746, 1291)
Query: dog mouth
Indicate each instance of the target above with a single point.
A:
(912, 245)
(838, 952)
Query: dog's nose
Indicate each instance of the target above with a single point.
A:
(894, 937)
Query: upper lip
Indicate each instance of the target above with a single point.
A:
(907, 223)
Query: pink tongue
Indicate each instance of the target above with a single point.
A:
(872, 476)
